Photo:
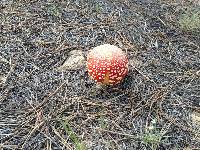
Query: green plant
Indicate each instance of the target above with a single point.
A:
(152, 139)
(98, 8)
(190, 20)
(53, 10)
(153, 136)
(102, 122)
(73, 136)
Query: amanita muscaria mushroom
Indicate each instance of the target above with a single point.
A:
(107, 64)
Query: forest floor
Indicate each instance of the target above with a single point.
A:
(157, 106)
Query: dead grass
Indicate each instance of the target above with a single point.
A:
(162, 84)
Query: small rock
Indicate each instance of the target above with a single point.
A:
(198, 73)
(195, 116)
(3, 59)
(75, 61)
(2, 80)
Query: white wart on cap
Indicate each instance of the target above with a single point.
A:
(107, 64)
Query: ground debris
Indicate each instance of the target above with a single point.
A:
(44, 80)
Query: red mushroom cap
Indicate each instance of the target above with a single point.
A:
(107, 64)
